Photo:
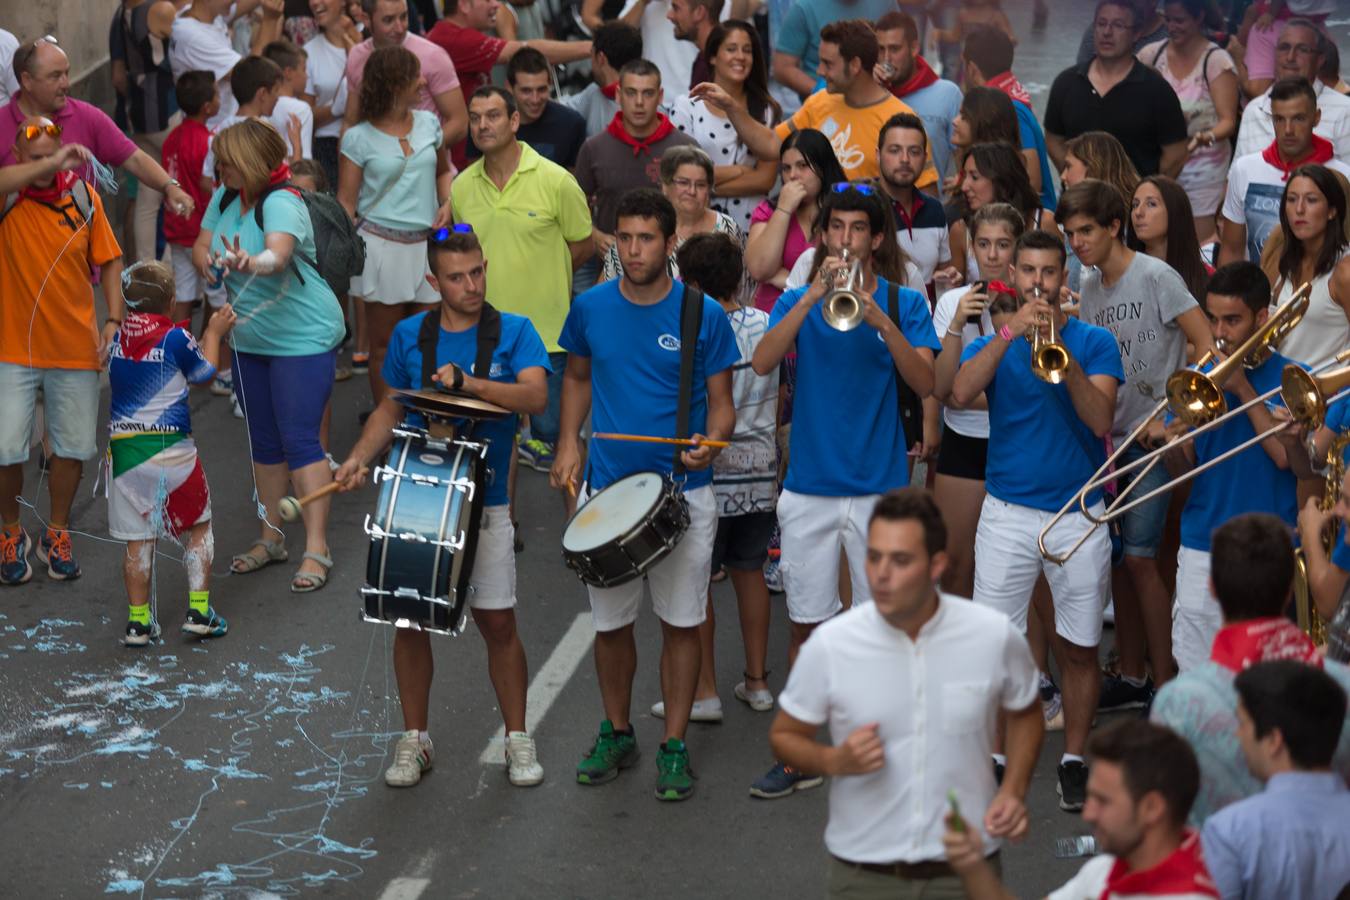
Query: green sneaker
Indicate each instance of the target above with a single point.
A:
(674, 777)
(612, 751)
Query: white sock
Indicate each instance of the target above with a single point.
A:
(423, 737)
(1001, 759)
(1070, 757)
(1133, 682)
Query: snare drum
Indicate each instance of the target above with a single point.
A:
(424, 532)
(625, 529)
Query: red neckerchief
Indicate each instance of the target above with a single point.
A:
(62, 184)
(663, 130)
(280, 175)
(141, 332)
(1319, 152)
(999, 287)
(921, 78)
(1242, 644)
(611, 90)
(1008, 84)
(1182, 873)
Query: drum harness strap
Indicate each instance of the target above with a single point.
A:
(429, 334)
(691, 321)
(911, 407)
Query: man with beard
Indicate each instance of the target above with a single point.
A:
(516, 381)
(532, 218)
(919, 217)
(625, 343)
(1144, 780)
(694, 21)
(908, 76)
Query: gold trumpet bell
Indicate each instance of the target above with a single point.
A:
(1306, 395)
(1049, 362)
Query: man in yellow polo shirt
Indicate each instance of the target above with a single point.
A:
(850, 111)
(535, 226)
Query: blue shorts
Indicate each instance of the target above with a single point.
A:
(283, 398)
(1141, 528)
(70, 398)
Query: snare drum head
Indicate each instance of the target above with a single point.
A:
(613, 512)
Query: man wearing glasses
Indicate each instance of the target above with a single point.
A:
(43, 72)
(1116, 93)
(517, 381)
(1298, 54)
(847, 437)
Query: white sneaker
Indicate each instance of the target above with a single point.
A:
(412, 757)
(238, 412)
(709, 710)
(222, 387)
(759, 701)
(522, 757)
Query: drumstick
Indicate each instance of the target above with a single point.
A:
(290, 507)
(572, 488)
(648, 439)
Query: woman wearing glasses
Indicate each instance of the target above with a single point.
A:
(686, 179)
(391, 178)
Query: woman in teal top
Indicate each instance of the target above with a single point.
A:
(394, 181)
(289, 326)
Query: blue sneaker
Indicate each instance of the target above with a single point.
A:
(138, 635)
(213, 624)
(61, 564)
(536, 454)
(782, 780)
(14, 549)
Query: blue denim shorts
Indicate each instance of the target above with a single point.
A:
(1141, 528)
(70, 399)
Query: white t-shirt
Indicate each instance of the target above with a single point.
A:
(674, 57)
(1256, 130)
(209, 163)
(9, 84)
(801, 273)
(1255, 191)
(969, 422)
(936, 700)
(281, 118)
(326, 81)
(199, 45)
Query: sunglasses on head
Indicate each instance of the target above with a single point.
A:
(865, 189)
(441, 234)
(32, 132)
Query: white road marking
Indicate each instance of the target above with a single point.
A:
(405, 888)
(547, 684)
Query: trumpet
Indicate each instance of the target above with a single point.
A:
(1196, 397)
(1049, 356)
(843, 306)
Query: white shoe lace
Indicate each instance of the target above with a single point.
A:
(521, 752)
(406, 753)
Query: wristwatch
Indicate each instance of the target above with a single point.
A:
(172, 182)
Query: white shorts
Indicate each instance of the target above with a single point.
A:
(679, 583)
(395, 273)
(493, 582)
(189, 285)
(1008, 561)
(1196, 614)
(812, 529)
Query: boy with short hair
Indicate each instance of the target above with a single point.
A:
(156, 486)
(184, 153)
(292, 116)
(256, 85)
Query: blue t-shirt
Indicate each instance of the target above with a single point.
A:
(520, 348)
(1033, 136)
(278, 316)
(1338, 419)
(847, 438)
(1040, 452)
(635, 376)
(1248, 482)
(799, 35)
(151, 394)
(938, 105)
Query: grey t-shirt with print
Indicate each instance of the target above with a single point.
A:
(1141, 310)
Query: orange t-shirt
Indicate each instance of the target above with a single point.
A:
(55, 330)
(853, 132)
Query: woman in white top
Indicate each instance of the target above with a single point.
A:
(686, 180)
(1205, 80)
(960, 317)
(736, 59)
(389, 178)
(1312, 217)
(326, 83)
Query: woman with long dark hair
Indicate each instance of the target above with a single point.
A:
(781, 228)
(987, 116)
(993, 173)
(1312, 224)
(1159, 202)
(736, 59)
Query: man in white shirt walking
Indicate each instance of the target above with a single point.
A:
(910, 686)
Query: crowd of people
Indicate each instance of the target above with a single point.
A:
(935, 402)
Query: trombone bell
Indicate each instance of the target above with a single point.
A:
(1305, 394)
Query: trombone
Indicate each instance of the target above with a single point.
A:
(1196, 399)
(843, 307)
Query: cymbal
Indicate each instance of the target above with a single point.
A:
(451, 406)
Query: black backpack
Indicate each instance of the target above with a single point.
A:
(341, 251)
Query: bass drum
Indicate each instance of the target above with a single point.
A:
(625, 529)
(424, 533)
